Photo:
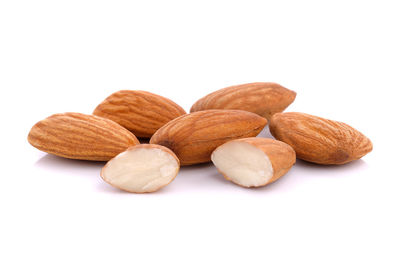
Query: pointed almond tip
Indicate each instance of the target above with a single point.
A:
(294, 94)
(264, 121)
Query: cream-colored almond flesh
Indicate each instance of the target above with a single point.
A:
(243, 164)
(142, 168)
(253, 162)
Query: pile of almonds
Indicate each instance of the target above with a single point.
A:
(221, 127)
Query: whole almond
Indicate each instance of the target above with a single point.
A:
(141, 168)
(193, 137)
(319, 140)
(253, 162)
(141, 112)
(262, 98)
(80, 136)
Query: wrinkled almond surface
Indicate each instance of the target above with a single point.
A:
(80, 136)
(319, 140)
(194, 136)
(141, 112)
(262, 98)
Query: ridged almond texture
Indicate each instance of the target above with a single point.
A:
(262, 98)
(254, 161)
(319, 140)
(141, 112)
(80, 136)
(194, 136)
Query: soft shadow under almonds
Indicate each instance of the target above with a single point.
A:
(50, 161)
(357, 164)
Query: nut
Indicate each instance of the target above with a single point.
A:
(80, 136)
(193, 137)
(143, 113)
(319, 140)
(142, 168)
(262, 98)
(253, 162)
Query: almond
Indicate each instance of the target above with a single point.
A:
(80, 136)
(193, 137)
(262, 98)
(142, 168)
(319, 140)
(253, 162)
(141, 112)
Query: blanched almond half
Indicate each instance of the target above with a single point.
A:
(253, 162)
(142, 168)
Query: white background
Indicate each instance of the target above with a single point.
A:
(341, 57)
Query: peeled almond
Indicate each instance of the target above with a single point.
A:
(253, 162)
(142, 168)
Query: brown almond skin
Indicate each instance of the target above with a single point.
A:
(193, 137)
(167, 150)
(262, 98)
(281, 155)
(141, 112)
(80, 136)
(319, 140)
